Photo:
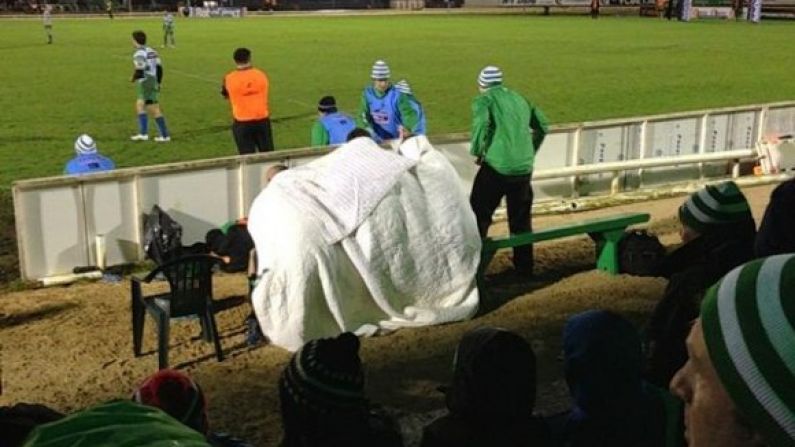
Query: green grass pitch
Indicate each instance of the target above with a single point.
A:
(574, 68)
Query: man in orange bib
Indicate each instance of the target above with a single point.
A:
(246, 88)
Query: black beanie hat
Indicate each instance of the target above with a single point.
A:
(327, 104)
(326, 375)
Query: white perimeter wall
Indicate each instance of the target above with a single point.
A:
(58, 218)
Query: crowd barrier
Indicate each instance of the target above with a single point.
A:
(60, 220)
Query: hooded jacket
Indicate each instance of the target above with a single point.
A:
(492, 397)
(612, 405)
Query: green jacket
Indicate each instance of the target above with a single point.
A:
(120, 423)
(507, 130)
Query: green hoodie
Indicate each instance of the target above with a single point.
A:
(507, 130)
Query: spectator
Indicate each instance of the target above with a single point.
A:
(492, 396)
(718, 232)
(118, 423)
(181, 398)
(332, 127)
(88, 158)
(777, 231)
(16, 422)
(405, 89)
(507, 131)
(322, 398)
(612, 405)
(383, 111)
(737, 384)
(247, 89)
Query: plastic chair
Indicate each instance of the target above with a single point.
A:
(191, 293)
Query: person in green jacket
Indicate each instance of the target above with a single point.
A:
(507, 131)
(383, 110)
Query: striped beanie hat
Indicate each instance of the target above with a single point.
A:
(325, 376)
(85, 145)
(380, 70)
(176, 394)
(490, 76)
(748, 320)
(719, 204)
(403, 87)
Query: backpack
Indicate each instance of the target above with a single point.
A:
(162, 236)
(639, 253)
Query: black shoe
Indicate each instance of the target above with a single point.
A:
(254, 335)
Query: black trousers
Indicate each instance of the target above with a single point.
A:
(489, 188)
(253, 136)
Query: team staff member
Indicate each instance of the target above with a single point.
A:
(332, 126)
(507, 131)
(383, 111)
(246, 88)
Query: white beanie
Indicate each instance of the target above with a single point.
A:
(489, 76)
(85, 145)
(380, 70)
(403, 87)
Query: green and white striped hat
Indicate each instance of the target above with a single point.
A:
(380, 70)
(719, 204)
(748, 319)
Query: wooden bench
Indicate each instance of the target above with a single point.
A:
(605, 231)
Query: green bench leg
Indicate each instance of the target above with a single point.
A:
(607, 247)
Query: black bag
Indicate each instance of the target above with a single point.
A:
(639, 253)
(162, 236)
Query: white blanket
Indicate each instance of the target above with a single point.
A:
(364, 239)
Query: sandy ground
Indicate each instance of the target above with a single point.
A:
(71, 347)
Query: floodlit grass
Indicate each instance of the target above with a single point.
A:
(573, 67)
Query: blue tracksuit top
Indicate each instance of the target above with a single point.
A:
(384, 115)
(338, 125)
(86, 164)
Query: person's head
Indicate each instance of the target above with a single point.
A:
(489, 77)
(176, 394)
(380, 75)
(272, 172)
(85, 145)
(603, 361)
(139, 38)
(403, 87)
(322, 395)
(714, 208)
(356, 133)
(494, 376)
(17, 421)
(737, 384)
(327, 104)
(242, 56)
